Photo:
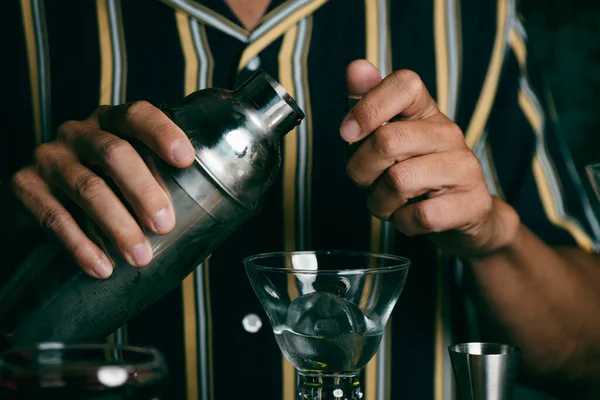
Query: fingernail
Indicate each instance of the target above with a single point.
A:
(142, 254)
(163, 221)
(102, 269)
(350, 131)
(181, 151)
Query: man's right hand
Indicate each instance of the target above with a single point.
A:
(64, 167)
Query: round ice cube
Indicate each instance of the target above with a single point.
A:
(324, 314)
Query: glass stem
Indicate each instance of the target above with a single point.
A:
(329, 387)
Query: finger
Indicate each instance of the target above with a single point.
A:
(92, 194)
(142, 121)
(399, 141)
(430, 174)
(35, 195)
(450, 211)
(125, 167)
(361, 77)
(401, 93)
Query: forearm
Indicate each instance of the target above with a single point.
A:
(545, 300)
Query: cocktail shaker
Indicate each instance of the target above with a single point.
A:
(236, 136)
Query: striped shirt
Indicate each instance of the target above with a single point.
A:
(62, 59)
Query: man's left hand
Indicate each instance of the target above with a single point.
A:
(421, 174)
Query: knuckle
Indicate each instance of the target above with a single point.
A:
(484, 199)
(89, 186)
(113, 149)
(163, 129)
(401, 221)
(136, 110)
(153, 196)
(66, 129)
(425, 215)
(401, 177)
(156, 192)
(46, 159)
(43, 152)
(366, 110)
(408, 81)
(54, 219)
(469, 161)
(20, 180)
(79, 247)
(99, 112)
(374, 204)
(455, 133)
(386, 141)
(353, 173)
(23, 185)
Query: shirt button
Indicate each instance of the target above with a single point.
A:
(253, 64)
(252, 323)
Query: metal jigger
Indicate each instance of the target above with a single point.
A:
(484, 371)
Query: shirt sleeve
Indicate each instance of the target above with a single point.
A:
(526, 162)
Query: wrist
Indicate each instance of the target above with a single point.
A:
(500, 231)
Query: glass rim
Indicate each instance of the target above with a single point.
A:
(155, 360)
(403, 263)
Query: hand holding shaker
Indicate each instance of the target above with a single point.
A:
(236, 136)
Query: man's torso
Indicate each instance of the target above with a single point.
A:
(212, 328)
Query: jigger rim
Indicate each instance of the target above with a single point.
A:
(398, 263)
(484, 349)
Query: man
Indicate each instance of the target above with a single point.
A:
(494, 189)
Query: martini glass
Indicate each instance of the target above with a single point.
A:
(593, 172)
(328, 310)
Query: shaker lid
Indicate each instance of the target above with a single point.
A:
(280, 112)
(237, 134)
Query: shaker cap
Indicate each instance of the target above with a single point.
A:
(236, 136)
(280, 112)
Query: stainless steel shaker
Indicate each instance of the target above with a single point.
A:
(236, 136)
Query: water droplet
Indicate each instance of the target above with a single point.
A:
(112, 376)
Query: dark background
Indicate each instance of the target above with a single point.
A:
(564, 37)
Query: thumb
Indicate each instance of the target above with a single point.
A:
(361, 77)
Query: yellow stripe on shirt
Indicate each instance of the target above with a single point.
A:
(309, 128)
(208, 17)
(372, 55)
(290, 161)
(106, 56)
(544, 172)
(441, 55)
(113, 59)
(443, 69)
(32, 62)
(378, 53)
(188, 288)
(276, 31)
(490, 85)
(36, 42)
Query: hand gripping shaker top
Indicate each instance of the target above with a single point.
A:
(236, 136)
